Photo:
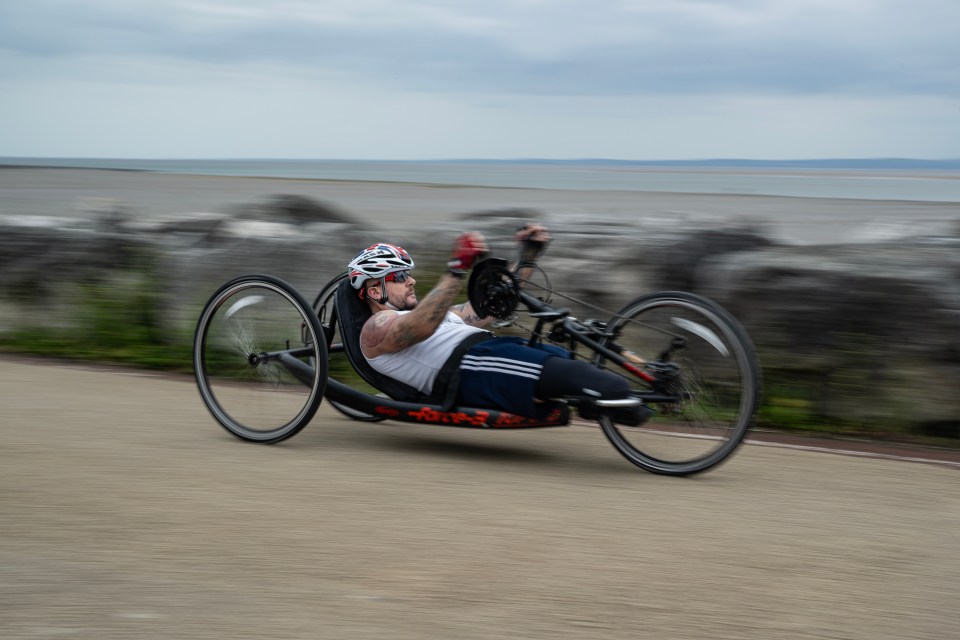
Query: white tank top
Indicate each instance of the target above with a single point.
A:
(418, 365)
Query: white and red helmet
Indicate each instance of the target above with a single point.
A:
(376, 261)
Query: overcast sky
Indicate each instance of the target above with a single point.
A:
(431, 79)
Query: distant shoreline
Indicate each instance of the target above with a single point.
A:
(52, 166)
(865, 164)
(786, 179)
(785, 170)
(72, 192)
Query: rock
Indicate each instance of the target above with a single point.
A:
(607, 263)
(305, 261)
(202, 223)
(295, 210)
(107, 214)
(34, 259)
(677, 265)
(258, 229)
(866, 333)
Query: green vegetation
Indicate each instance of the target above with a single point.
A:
(113, 321)
(845, 402)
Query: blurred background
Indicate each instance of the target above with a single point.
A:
(796, 161)
(852, 300)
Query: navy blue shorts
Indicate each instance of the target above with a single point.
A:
(502, 373)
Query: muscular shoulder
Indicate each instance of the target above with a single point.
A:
(376, 329)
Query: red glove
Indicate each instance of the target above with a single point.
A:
(468, 248)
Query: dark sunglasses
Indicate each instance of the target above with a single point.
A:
(397, 276)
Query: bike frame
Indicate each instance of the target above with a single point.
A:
(423, 413)
(705, 396)
(574, 331)
(580, 333)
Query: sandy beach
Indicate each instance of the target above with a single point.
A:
(73, 192)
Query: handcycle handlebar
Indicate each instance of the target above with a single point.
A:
(541, 310)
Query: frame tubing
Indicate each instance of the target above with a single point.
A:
(434, 414)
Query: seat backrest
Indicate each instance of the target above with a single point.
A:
(352, 313)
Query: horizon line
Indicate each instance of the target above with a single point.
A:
(531, 159)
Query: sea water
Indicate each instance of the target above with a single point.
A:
(864, 183)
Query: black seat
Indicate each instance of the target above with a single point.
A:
(352, 313)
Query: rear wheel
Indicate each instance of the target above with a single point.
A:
(324, 305)
(260, 359)
(706, 382)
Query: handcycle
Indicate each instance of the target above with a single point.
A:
(262, 357)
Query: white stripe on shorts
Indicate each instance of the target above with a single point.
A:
(502, 365)
(533, 366)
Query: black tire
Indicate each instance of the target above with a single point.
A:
(716, 373)
(324, 305)
(246, 374)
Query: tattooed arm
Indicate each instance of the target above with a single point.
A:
(469, 316)
(389, 331)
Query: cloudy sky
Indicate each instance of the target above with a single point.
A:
(432, 79)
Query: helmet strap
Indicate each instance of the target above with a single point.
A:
(383, 295)
(383, 291)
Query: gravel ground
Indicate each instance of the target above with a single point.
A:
(127, 513)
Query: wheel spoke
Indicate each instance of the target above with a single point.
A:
(255, 396)
(710, 369)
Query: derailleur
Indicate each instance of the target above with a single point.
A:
(669, 381)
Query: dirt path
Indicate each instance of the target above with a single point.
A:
(127, 513)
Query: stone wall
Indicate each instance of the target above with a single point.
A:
(862, 333)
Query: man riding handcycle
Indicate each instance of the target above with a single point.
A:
(680, 407)
(412, 341)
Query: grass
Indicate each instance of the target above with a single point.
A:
(114, 322)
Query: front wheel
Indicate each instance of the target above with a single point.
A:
(260, 359)
(706, 382)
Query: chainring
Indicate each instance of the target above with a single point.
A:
(493, 290)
